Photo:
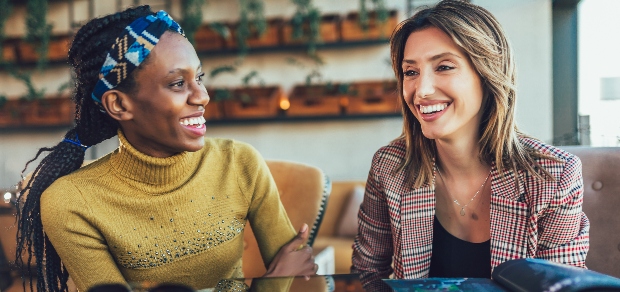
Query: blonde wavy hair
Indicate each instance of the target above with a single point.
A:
(479, 34)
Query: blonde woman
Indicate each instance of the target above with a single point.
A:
(462, 190)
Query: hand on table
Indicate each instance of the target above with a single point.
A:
(292, 260)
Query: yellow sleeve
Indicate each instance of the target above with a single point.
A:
(67, 222)
(267, 216)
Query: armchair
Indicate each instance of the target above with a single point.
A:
(304, 191)
(601, 199)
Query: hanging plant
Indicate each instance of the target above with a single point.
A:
(380, 9)
(38, 30)
(306, 24)
(221, 29)
(251, 22)
(192, 17)
(5, 11)
(33, 93)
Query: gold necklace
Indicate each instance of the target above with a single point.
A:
(457, 202)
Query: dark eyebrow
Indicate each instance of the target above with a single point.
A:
(433, 58)
(183, 70)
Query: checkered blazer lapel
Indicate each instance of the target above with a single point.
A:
(417, 211)
(509, 216)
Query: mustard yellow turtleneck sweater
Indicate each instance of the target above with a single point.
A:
(129, 217)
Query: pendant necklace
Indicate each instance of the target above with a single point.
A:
(457, 202)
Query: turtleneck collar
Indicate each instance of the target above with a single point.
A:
(151, 174)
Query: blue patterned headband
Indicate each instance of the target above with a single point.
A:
(131, 48)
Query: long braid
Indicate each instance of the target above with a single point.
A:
(86, 56)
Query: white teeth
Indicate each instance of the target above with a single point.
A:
(197, 121)
(433, 108)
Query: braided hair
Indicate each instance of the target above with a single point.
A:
(92, 125)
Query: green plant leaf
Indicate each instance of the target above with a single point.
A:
(38, 30)
(221, 29)
(248, 77)
(222, 94)
(5, 12)
(192, 17)
(222, 69)
(3, 100)
(245, 98)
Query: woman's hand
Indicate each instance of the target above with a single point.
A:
(294, 258)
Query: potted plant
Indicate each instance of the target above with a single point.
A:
(305, 31)
(251, 102)
(38, 32)
(211, 37)
(355, 28)
(215, 111)
(373, 97)
(320, 99)
(54, 110)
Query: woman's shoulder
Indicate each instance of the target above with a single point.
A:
(555, 160)
(235, 147)
(547, 151)
(390, 156)
(235, 154)
(396, 149)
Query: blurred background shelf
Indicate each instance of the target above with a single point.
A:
(285, 119)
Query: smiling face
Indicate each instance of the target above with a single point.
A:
(167, 105)
(440, 86)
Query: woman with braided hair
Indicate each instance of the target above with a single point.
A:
(169, 205)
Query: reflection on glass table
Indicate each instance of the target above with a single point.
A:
(319, 283)
(514, 275)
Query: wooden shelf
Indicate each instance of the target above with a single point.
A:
(56, 111)
(294, 48)
(282, 118)
(251, 51)
(336, 32)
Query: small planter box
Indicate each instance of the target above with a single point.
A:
(9, 114)
(272, 36)
(8, 51)
(316, 100)
(207, 39)
(329, 31)
(58, 50)
(215, 110)
(373, 97)
(352, 31)
(53, 111)
(254, 102)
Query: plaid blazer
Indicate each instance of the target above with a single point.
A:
(544, 220)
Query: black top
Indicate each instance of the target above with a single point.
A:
(456, 258)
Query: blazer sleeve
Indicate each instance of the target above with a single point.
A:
(564, 229)
(373, 249)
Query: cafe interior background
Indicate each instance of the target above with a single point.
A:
(326, 96)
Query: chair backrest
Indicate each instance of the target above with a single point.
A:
(304, 191)
(601, 203)
(7, 250)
